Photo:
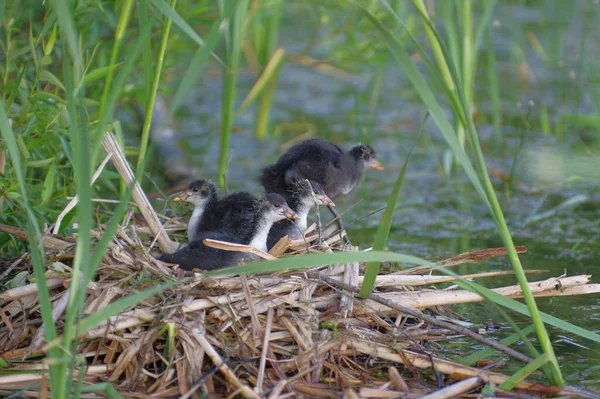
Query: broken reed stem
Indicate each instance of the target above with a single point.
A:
(229, 246)
(392, 280)
(263, 355)
(478, 256)
(73, 202)
(111, 146)
(322, 278)
(223, 368)
(48, 241)
(455, 390)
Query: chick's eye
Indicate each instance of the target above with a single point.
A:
(277, 205)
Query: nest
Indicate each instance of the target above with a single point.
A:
(288, 334)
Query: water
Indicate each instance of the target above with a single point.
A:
(439, 217)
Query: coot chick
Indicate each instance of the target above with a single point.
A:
(236, 213)
(304, 195)
(199, 256)
(201, 193)
(269, 210)
(321, 161)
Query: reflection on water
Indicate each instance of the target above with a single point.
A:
(439, 217)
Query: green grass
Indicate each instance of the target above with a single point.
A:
(234, 33)
(265, 29)
(71, 70)
(70, 76)
(457, 97)
(383, 231)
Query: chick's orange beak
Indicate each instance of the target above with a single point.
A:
(291, 214)
(182, 197)
(374, 164)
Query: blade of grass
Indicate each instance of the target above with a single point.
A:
(98, 73)
(310, 260)
(15, 90)
(567, 204)
(152, 97)
(498, 215)
(104, 388)
(486, 189)
(466, 19)
(82, 169)
(487, 352)
(233, 42)
(263, 111)
(533, 352)
(126, 7)
(36, 252)
(437, 52)
(120, 306)
(119, 82)
(266, 33)
(383, 231)
(451, 28)
(198, 63)
(172, 15)
(268, 75)
(67, 31)
(492, 75)
(434, 107)
(520, 375)
(145, 22)
(482, 27)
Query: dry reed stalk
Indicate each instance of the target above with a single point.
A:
(120, 162)
(12, 266)
(49, 241)
(228, 246)
(223, 368)
(350, 277)
(456, 389)
(263, 356)
(393, 280)
(428, 298)
(58, 309)
(29, 289)
(377, 393)
(282, 245)
(322, 67)
(397, 380)
(73, 202)
(570, 291)
(16, 381)
(465, 258)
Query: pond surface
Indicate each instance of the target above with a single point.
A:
(438, 217)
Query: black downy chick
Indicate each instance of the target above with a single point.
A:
(202, 194)
(268, 210)
(235, 213)
(303, 196)
(321, 161)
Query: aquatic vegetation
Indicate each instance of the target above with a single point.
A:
(72, 71)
